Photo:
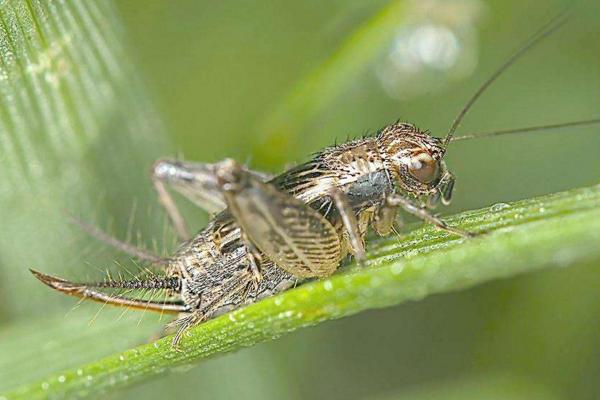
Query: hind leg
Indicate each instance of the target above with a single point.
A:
(93, 291)
(195, 181)
(206, 308)
(125, 247)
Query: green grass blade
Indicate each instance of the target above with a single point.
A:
(75, 123)
(558, 230)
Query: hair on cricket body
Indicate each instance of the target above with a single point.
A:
(269, 233)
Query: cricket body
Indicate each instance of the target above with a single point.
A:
(302, 223)
(269, 233)
(274, 232)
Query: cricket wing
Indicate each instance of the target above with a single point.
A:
(290, 233)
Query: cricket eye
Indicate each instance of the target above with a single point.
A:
(424, 168)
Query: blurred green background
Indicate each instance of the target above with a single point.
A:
(214, 72)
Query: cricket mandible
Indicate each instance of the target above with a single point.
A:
(269, 233)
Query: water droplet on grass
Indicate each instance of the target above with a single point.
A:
(286, 314)
(499, 207)
(397, 269)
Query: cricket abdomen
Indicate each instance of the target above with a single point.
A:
(216, 271)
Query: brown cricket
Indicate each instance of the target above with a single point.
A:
(269, 233)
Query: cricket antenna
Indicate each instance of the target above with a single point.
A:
(535, 39)
(525, 129)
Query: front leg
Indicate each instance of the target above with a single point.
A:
(385, 220)
(396, 200)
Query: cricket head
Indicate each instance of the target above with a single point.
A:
(416, 161)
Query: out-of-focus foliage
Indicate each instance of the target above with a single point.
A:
(214, 70)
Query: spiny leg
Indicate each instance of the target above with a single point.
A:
(422, 213)
(87, 291)
(196, 182)
(350, 224)
(204, 311)
(289, 232)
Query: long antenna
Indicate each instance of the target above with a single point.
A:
(536, 38)
(478, 135)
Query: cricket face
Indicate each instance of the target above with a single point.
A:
(416, 160)
(426, 174)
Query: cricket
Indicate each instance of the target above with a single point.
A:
(269, 233)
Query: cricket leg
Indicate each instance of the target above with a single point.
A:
(254, 259)
(195, 181)
(198, 183)
(289, 232)
(422, 213)
(385, 219)
(350, 223)
(167, 202)
(120, 245)
(92, 291)
(206, 309)
(181, 325)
